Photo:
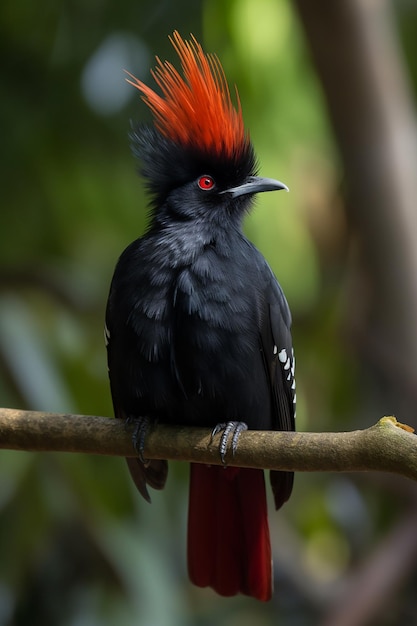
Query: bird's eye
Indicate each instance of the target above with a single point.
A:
(206, 183)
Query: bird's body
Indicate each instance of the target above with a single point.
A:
(192, 352)
(199, 334)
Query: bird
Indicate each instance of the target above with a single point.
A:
(197, 327)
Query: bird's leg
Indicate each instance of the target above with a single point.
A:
(140, 430)
(228, 429)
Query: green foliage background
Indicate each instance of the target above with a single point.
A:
(77, 545)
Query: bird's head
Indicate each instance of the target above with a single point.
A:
(197, 156)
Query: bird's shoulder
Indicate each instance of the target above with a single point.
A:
(272, 293)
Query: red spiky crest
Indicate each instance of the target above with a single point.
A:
(195, 109)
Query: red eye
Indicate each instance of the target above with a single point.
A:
(206, 182)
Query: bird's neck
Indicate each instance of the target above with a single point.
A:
(187, 238)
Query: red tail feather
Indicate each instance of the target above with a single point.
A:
(228, 536)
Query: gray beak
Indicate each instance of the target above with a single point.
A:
(255, 184)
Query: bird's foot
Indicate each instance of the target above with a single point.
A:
(229, 430)
(140, 430)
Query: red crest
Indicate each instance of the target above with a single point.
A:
(195, 108)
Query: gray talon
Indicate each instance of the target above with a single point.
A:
(230, 429)
(217, 429)
(139, 436)
(240, 428)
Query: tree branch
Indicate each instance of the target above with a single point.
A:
(387, 446)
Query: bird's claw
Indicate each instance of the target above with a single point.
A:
(141, 428)
(228, 429)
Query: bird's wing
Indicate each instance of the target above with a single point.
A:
(278, 354)
(153, 473)
(279, 362)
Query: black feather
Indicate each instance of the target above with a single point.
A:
(196, 320)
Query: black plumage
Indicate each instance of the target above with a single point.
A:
(196, 318)
(197, 326)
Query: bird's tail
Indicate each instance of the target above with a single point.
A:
(228, 536)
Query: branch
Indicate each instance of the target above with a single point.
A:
(387, 446)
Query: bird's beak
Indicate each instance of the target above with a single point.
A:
(255, 184)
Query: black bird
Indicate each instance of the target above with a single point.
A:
(197, 326)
